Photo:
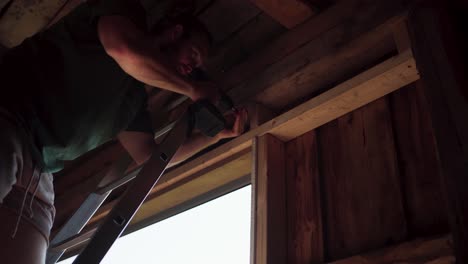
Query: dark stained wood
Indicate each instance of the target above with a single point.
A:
(439, 44)
(293, 39)
(418, 163)
(270, 203)
(254, 35)
(224, 17)
(288, 13)
(305, 237)
(428, 251)
(363, 200)
(314, 66)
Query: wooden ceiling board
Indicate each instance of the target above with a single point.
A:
(289, 13)
(224, 17)
(254, 35)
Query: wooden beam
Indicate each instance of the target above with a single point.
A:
(428, 251)
(439, 43)
(301, 64)
(287, 13)
(270, 201)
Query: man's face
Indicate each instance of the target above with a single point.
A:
(191, 54)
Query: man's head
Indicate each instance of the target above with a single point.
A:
(186, 42)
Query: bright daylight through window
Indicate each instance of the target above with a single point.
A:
(214, 232)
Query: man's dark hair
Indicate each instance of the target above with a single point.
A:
(191, 26)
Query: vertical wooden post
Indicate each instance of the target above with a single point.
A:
(269, 241)
(304, 205)
(438, 47)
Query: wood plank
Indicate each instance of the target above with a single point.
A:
(300, 35)
(287, 13)
(206, 180)
(294, 67)
(377, 82)
(304, 211)
(224, 17)
(363, 199)
(418, 163)
(270, 215)
(428, 251)
(439, 42)
(250, 39)
(401, 35)
(318, 70)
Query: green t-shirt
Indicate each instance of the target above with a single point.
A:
(73, 96)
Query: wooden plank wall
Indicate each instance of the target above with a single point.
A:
(364, 181)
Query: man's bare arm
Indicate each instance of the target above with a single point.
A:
(137, 54)
(140, 145)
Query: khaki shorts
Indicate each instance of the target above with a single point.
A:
(24, 188)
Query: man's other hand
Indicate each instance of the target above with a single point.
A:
(239, 121)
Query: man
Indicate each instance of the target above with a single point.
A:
(75, 86)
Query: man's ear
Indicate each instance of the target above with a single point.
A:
(177, 32)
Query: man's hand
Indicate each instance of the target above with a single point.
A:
(240, 118)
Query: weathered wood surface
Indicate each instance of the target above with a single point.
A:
(250, 39)
(304, 205)
(420, 251)
(419, 166)
(439, 41)
(224, 17)
(297, 37)
(288, 13)
(363, 199)
(297, 68)
(270, 208)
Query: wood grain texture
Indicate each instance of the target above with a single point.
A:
(418, 163)
(288, 13)
(270, 188)
(295, 68)
(212, 178)
(250, 39)
(372, 84)
(363, 199)
(224, 17)
(420, 251)
(439, 42)
(304, 207)
(293, 39)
